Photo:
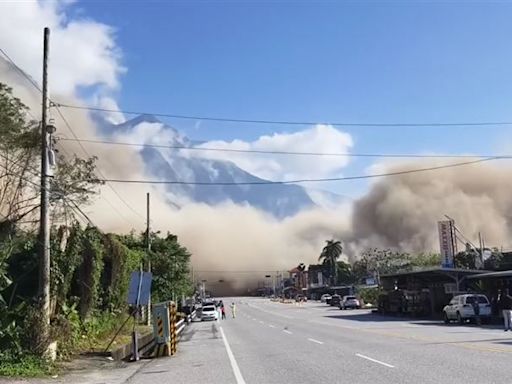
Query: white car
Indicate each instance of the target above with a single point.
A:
(461, 309)
(209, 312)
(350, 302)
(325, 297)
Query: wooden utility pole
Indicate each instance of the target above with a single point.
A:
(44, 224)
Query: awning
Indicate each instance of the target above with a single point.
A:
(490, 275)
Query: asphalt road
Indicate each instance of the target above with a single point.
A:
(284, 343)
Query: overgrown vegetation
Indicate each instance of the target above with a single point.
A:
(90, 270)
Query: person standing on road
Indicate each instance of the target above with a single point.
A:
(223, 310)
(505, 301)
(476, 309)
(233, 309)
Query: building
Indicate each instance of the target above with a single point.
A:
(317, 283)
(296, 283)
(423, 292)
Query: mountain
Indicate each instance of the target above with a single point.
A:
(280, 200)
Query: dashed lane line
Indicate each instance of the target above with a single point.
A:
(315, 341)
(375, 360)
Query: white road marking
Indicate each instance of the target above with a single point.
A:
(261, 322)
(271, 326)
(316, 341)
(271, 312)
(375, 361)
(238, 375)
(287, 331)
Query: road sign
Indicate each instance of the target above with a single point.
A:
(447, 242)
(140, 288)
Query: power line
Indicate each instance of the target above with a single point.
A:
(64, 200)
(285, 122)
(99, 172)
(267, 182)
(21, 71)
(68, 202)
(297, 153)
(26, 76)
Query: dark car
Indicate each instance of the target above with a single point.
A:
(335, 300)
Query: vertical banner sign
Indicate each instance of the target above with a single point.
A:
(447, 242)
(161, 323)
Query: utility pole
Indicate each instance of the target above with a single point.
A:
(148, 250)
(44, 224)
(481, 258)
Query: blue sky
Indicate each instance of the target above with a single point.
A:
(400, 61)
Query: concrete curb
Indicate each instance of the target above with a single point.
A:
(124, 352)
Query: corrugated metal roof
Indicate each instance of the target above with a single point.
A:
(436, 270)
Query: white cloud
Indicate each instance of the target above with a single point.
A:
(83, 52)
(320, 138)
(109, 103)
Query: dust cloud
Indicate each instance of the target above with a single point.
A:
(240, 244)
(401, 212)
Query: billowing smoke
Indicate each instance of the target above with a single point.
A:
(401, 212)
(236, 244)
(240, 244)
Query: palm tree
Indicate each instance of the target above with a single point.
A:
(330, 254)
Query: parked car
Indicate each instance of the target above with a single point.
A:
(461, 308)
(325, 297)
(335, 300)
(209, 312)
(350, 302)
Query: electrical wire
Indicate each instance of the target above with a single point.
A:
(27, 77)
(100, 173)
(297, 153)
(285, 122)
(69, 203)
(298, 181)
(21, 71)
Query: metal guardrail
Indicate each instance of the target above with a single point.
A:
(182, 323)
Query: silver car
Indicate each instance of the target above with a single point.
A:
(350, 302)
(209, 312)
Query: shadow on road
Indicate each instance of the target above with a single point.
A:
(378, 318)
(153, 372)
(495, 341)
(366, 317)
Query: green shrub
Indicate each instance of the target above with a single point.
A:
(26, 365)
(369, 295)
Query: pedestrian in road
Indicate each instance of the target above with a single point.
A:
(233, 309)
(476, 309)
(505, 302)
(223, 311)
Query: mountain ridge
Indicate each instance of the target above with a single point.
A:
(280, 200)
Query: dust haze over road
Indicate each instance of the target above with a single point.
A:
(402, 211)
(398, 212)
